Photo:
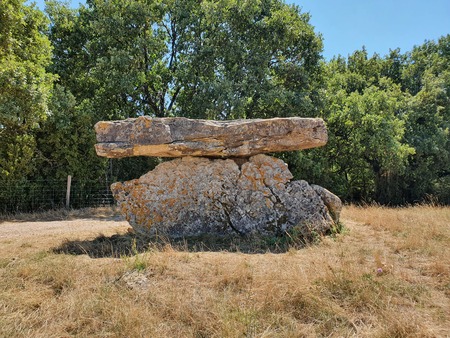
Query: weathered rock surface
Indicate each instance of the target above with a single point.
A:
(179, 137)
(333, 203)
(192, 196)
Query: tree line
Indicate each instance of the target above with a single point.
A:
(64, 69)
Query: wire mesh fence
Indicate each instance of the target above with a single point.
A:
(40, 195)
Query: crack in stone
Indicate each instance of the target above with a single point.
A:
(280, 216)
(228, 219)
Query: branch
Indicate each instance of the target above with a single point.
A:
(161, 104)
(174, 97)
(149, 100)
(173, 45)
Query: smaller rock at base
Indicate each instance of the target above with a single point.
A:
(333, 203)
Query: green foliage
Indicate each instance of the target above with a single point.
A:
(211, 59)
(69, 32)
(66, 140)
(427, 77)
(367, 138)
(364, 113)
(24, 85)
(388, 122)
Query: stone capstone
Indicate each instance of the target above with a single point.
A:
(192, 196)
(179, 137)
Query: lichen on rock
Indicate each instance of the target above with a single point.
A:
(180, 137)
(192, 196)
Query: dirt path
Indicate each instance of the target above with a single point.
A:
(22, 237)
(69, 228)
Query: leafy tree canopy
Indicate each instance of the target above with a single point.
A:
(25, 52)
(208, 59)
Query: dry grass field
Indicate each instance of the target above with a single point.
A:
(387, 274)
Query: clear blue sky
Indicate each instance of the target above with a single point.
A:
(379, 25)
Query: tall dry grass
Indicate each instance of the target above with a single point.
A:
(386, 275)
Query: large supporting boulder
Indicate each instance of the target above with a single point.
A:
(193, 196)
(179, 137)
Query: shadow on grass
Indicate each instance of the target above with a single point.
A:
(129, 244)
(100, 213)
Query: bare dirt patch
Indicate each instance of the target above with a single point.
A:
(30, 232)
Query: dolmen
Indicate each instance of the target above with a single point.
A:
(220, 182)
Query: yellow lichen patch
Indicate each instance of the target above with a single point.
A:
(162, 150)
(102, 126)
(147, 121)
